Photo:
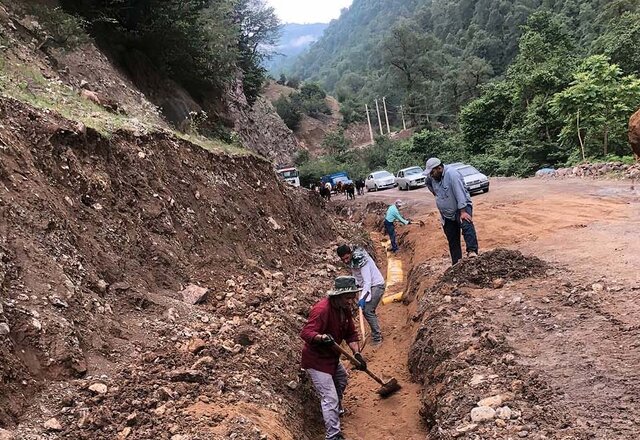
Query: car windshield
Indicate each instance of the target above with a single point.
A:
(414, 170)
(468, 171)
(382, 174)
(289, 174)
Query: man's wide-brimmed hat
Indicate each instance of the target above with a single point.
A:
(344, 284)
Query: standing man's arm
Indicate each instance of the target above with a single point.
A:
(429, 184)
(460, 193)
(400, 218)
(366, 284)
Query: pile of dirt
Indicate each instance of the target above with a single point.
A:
(498, 265)
(476, 385)
(100, 238)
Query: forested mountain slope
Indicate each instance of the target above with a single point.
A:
(510, 86)
(439, 52)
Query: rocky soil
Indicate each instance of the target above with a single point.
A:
(519, 351)
(150, 288)
(610, 169)
(474, 385)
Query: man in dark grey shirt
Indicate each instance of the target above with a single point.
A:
(455, 206)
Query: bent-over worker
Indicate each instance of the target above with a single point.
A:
(393, 215)
(370, 280)
(331, 321)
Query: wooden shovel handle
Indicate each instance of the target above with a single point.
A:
(354, 361)
(364, 335)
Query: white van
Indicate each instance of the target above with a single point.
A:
(290, 175)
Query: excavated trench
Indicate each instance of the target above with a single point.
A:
(455, 356)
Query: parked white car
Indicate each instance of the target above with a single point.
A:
(409, 178)
(474, 180)
(379, 180)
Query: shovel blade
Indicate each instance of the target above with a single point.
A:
(389, 388)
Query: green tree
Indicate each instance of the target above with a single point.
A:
(312, 99)
(595, 108)
(289, 111)
(620, 42)
(259, 28)
(335, 142)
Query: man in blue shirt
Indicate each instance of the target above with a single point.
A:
(393, 215)
(454, 203)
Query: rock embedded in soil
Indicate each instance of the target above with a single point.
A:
(98, 388)
(53, 425)
(4, 330)
(482, 414)
(196, 345)
(6, 435)
(193, 294)
(504, 413)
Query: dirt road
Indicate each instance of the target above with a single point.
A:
(576, 330)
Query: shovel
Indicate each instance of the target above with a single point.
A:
(387, 388)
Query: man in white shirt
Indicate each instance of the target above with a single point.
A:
(370, 280)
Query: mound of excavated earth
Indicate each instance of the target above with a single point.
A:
(494, 267)
(474, 383)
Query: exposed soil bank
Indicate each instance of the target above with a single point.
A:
(99, 237)
(502, 355)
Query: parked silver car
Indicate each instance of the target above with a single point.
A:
(474, 180)
(379, 180)
(408, 178)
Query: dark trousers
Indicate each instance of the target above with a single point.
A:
(452, 230)
(391, 232)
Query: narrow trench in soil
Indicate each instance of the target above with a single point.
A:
(369, 417)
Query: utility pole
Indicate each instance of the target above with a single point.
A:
(379, 120)
(366, 108)
(386, 116)
(404, 125)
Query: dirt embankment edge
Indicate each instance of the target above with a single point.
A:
(99, 236)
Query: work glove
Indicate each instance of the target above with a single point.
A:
(362, 303)
(362, 363)
(326, 340)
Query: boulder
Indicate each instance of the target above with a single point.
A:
(193, 294)
(634, 133)
(53, 425)
(482, 414)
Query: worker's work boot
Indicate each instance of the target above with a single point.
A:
(472, 254)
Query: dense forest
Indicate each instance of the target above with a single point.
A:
(203, 45)
(508, 85)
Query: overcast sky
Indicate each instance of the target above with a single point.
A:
(308, 11)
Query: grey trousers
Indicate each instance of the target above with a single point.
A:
(369, 312)
(330, 389)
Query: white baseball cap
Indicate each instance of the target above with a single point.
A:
(431, 164)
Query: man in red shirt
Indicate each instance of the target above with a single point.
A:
(331, 321)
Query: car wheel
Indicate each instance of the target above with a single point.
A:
(407, 188)
(376, 188)
(486, 190)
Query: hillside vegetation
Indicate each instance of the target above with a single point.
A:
(508, 85)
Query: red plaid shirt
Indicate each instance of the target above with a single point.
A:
(324, 319)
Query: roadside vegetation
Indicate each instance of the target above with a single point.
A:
(507, 86)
